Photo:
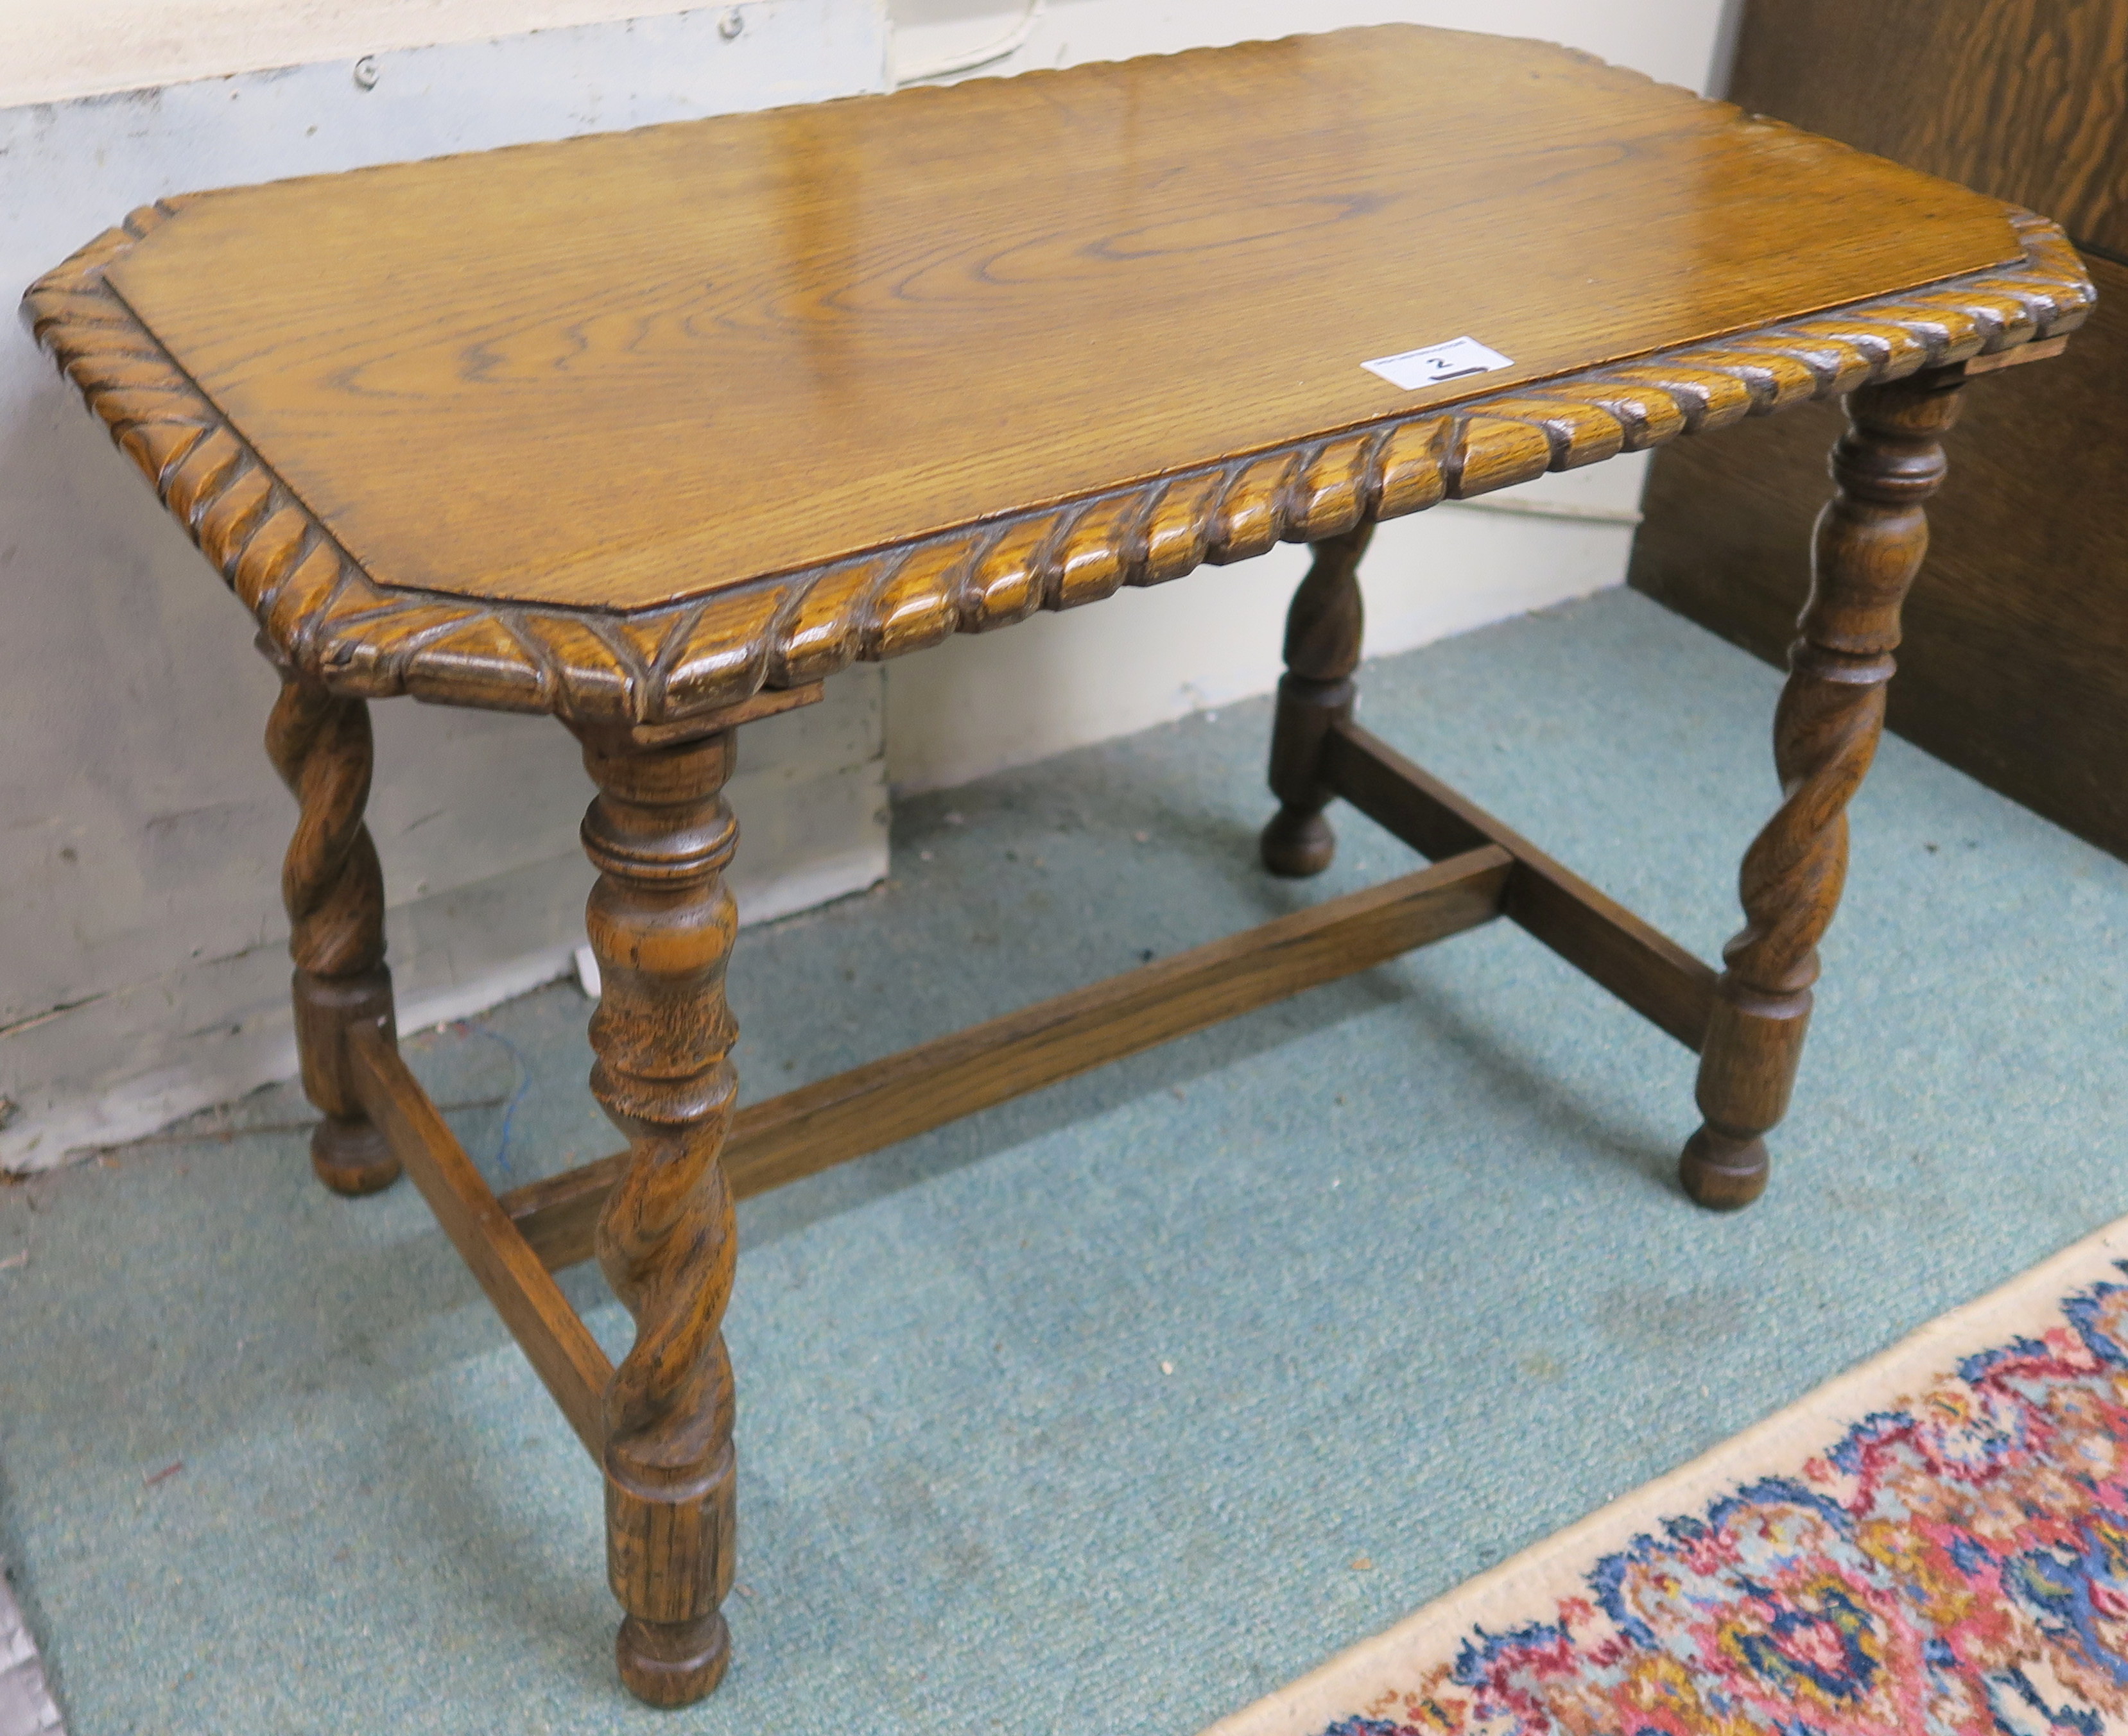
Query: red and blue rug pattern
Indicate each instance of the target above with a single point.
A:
(1955, 1565)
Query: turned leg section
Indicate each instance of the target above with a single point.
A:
(661, 923)
(334, 895)
(1323, 634)
(1869, 545)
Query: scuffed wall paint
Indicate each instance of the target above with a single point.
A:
(142, 964)
(52, 54)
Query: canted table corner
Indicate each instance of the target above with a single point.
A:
(658, 431)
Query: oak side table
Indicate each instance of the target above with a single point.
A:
(657, 431)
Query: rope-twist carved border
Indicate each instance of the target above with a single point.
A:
(329, 618)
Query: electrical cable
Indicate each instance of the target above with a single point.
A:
(523, 1084)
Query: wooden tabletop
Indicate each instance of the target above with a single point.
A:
(548, 395)
(631, 367)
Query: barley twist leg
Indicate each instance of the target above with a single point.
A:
(1323, 635)
(661, 923)
(1869, 545)
(334, 891)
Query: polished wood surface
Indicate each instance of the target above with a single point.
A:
(632, 367)
(555, 1341)
(1318, 753)
(834, 1120)
(2023, 99)
(2015, 667)
(1324, 627)
(656, 431)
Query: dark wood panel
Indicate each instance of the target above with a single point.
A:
(2024, 99)
(818, 1125)
(2015, 666)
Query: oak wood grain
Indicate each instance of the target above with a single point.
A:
(1324, 628)
(834, 1120)
(2044, 350)
(659, 430)
(333, 889)
(2015, 668)
(629, 368)
(555, 1341)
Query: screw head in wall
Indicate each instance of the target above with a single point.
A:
(365, 73)
(731, 24)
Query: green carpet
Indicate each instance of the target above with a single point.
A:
(1075, 1416)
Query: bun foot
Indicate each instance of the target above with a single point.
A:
(1722, 1174)
(352, 1157)
(1296, 845)
(672, 1663)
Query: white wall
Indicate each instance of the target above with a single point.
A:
(55, 50)
(142, 968)
(1671, 40)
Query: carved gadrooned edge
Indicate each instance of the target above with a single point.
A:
(682, 660)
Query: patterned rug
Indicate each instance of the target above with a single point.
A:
(1934, 1545)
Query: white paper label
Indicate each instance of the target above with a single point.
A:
(1437, 362)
